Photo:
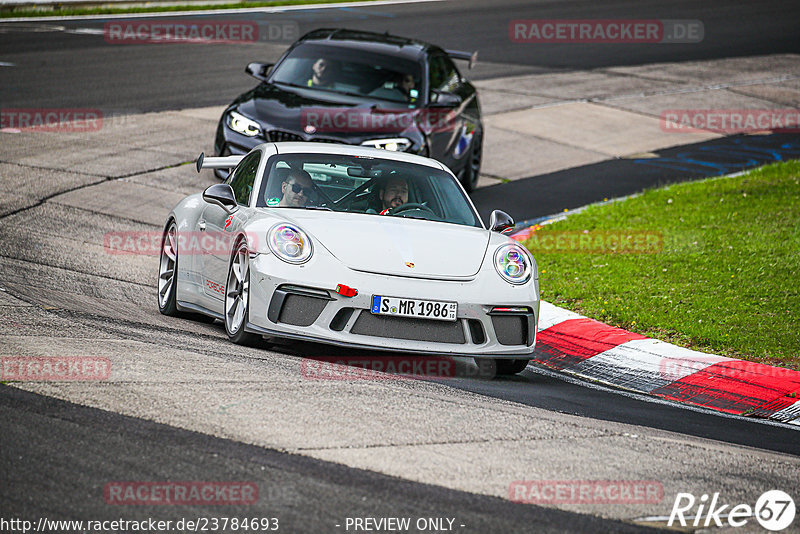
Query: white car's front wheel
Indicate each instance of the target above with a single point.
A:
(237, 297)
(168, 271)
(491, 367)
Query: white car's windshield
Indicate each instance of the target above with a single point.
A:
(370, 186)
(351, 72)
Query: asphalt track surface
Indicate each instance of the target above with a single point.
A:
(307, 495)
(61, 69)
(549, 194)
(57, 68)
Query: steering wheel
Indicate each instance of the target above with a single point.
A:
(408, 206)
(326, 200)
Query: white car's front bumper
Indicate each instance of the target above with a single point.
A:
(299, 301)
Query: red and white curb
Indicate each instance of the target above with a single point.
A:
(574, 344)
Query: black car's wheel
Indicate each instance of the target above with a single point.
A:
(500, 367)
(168, 271)
(237, 297)
(472, 170)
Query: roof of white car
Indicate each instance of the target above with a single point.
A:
(352, 150)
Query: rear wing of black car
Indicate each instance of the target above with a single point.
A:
(472, 57)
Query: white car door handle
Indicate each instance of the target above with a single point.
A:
(202, 225)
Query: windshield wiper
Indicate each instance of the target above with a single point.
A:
(292, 84)
(323, 208)
(325, 89)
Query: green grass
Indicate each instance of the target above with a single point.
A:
(725, 278)
(64, 10)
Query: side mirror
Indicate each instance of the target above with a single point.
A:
(443, 99)
(499, 221)
(222, 196)
(258, 70)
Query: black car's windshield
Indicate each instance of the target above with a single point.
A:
(350, 72)
(370, 186)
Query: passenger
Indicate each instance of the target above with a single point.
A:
(297, 188)
(407, 86)
(322, 73)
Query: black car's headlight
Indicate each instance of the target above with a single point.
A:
(512, 264)
(241, 124)
(397, 144)
(289, 243)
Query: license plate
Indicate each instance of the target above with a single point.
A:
(420, 309)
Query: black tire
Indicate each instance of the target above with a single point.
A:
(237, 293)
(511, 367)
(472, 170)
(167, 304)
(493, 367)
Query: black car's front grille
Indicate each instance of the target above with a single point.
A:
(369, 324)
(279, 136)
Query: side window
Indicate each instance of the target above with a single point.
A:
(243, 177)
(444, 75)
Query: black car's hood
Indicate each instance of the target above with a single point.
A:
(332, 115)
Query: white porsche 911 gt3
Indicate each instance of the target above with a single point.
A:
(350, 246)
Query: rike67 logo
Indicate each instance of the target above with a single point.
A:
(774, 510)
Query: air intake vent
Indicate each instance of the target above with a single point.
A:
(476, 331)
(368, 324)
(510, 329)
(299, 310)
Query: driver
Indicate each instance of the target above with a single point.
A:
(322, 73)
(297, 188)
(393, 194)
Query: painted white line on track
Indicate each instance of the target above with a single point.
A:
(273, 9)
(7, 64)
(86, 31)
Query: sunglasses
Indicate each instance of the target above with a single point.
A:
(307, 191)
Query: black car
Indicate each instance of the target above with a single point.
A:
(362, 88)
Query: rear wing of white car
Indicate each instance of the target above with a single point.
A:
(223, 162)
(472, 57)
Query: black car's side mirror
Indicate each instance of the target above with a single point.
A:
(258, 70)
(443, 99)
(222, 196)
(500, 221)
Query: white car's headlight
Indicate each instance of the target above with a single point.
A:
(239, 123)
(398, 144)
(512, 264)
(289, 243)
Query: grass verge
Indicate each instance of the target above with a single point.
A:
(711, 265)
(65, 10)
